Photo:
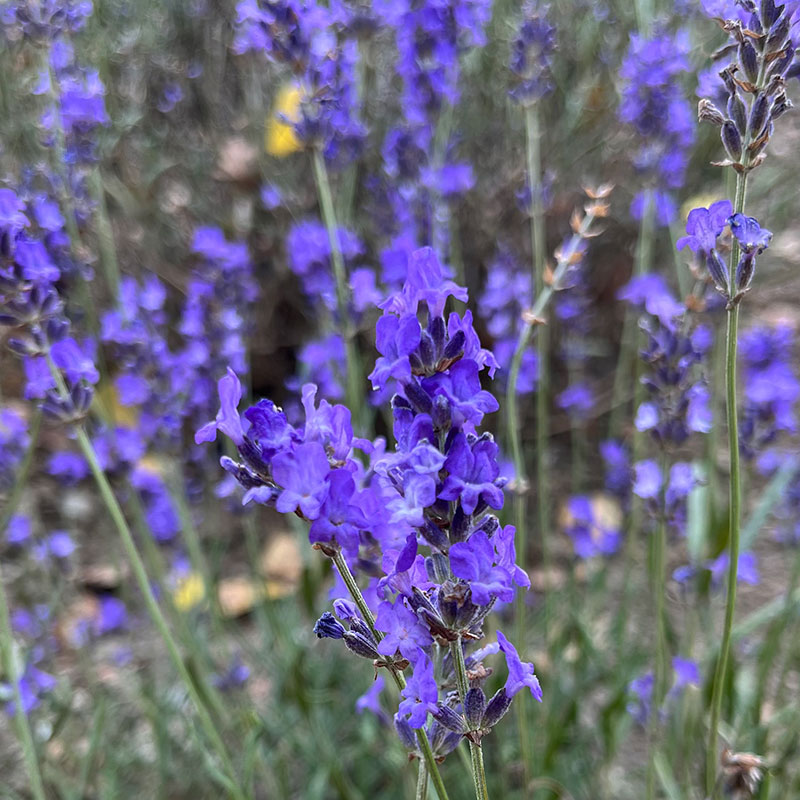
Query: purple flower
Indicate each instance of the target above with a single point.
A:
(370, 700)
(403, 631)
(652, 293)
(228, 420)
(420, 694)
(648, 479)
(474, 561)
(419, 491)
(19, 529)
(111, 616)
(750, 235)
(301, 473)
(473, 470)
(340, 519)
(461, 385)
(589, 534)
(577, 400)
(747, 568)
(704, 225)
(60, 544)
(531, 55)
(520, 673)
(395, 338)
(505, 548)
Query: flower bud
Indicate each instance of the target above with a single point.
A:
(419, 398)
(732, 140)
(405, 732)
(745, 270)
(718, 271)
(426, 351)
(737, 112)
(455, 347)
(450, 719)
(749, 60)
(438, 333)
(328, 627)
(758, 115)
(778, 33)
(474, 706)
(708, 112)
(769, 12)
(360, 645)
(496, 709)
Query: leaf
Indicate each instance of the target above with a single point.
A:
(666, 778)
(769, 499)
(698, 513)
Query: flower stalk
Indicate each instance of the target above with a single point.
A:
(735, 500)
(140, 574)
(352, 383)
(475, 749)
(397, 674)
(9, 660)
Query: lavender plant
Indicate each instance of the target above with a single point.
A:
(417, 520)
(756, 97)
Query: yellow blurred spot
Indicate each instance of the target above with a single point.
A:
(280, 139)
(107, 399)
(698, 201)
(189, 592)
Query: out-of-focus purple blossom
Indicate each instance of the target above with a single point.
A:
(531, 54)
(112, 616)
(654, 106)
(770, 386)
(14, 442)
(505, 296)
(370, 700)
(678, 401)
(747, 569)
(647, 479)
(590, 534)
(19, 529)
(33, 685)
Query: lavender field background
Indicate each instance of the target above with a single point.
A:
(384, 389)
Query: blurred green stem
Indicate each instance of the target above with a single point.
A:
(105, 233)
(628, 362)
(533, 138)
(397, 674)
(353, 381)
(422, 782)
(475, 750)
(10, 660)
(662, 655)
(735, 500)
(140, 573)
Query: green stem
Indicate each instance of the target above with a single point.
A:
(735, 501)
(397, 675)
(538, 256)
(422, 782)
(662, 655)
(530, 320)
(475, 750)
(353, 382)
(628, 362)
(140, 573)
(105, 233)
(10, 667)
